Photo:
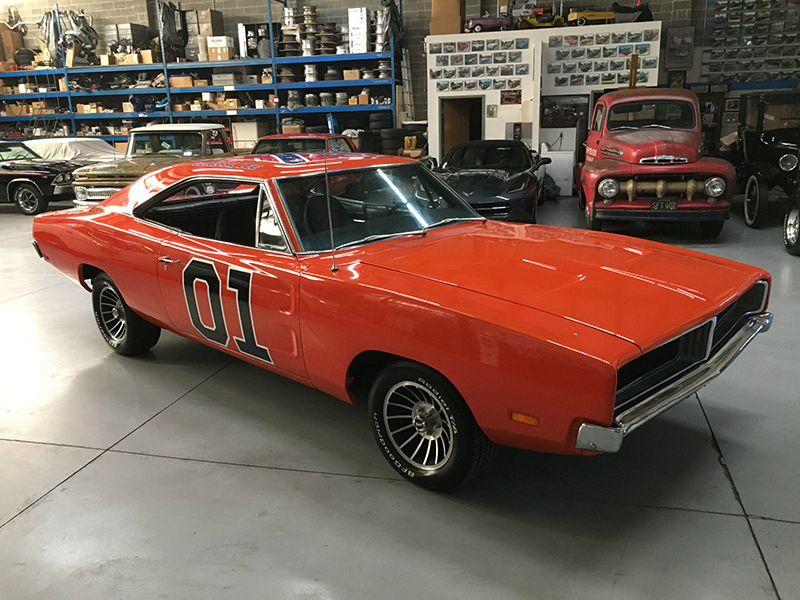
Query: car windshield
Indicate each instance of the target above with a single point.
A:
(369, 204)
(781, 116)
(669, 114)
(487, 156)
(16, 152)
(176, 143)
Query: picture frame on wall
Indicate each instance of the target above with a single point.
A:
(680, 48)
(676, 79)
(732, 105)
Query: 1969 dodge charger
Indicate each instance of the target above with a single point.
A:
(459, 333)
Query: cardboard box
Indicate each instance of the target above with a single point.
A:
(181, 107)
(231, 103)
(353, 101)
(10, 40)
(147, 57)
(218, 54)
(121, 146)
(23, 88)
(246, 133)
(196, 106)
(349, 74)
(7, 65)
(363, 98)
(200, 83)
(219, 41)
(291, 128)
(266, 79)
(181, 81)
(62, 84)
(72, 52)
(127, 107)
(208, 96)
(445, 25)
(16, 110)
(450, 9)
(107, 60)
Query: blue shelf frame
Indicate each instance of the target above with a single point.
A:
(174, 68)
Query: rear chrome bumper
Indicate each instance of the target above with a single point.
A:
(597, 438)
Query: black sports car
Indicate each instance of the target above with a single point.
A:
(30, 181)
(496, 177)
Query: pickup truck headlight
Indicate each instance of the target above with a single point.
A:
(81, 193)
(788, 162)
(715, 187)
(63, 178)
(608, 188)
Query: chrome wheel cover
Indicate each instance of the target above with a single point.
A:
(27, 200)
(793, 226)
(417, 425)
(112, 314)
(751, 200)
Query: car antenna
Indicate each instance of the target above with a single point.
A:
(334, 268)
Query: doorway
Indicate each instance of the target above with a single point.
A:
(462, 121)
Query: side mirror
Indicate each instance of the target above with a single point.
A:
(433, 163)
(542, 160)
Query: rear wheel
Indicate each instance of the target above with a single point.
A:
(710, 230)
(29, 199)
(581, 198)
(424, 428)
(477, 28)
(791, 231)
(123, 330)
(582, 21)
(756, 198)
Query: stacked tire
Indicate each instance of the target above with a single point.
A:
(379, 122)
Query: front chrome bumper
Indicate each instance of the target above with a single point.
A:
(597, 438)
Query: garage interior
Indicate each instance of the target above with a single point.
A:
(186, 473)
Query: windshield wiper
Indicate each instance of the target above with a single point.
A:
(659, 125)
(450, 220)
(378, 236)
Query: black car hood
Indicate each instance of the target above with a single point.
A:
(40, 165)
(788, 139)
(481, 184)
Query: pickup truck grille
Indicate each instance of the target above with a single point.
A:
(655, 369)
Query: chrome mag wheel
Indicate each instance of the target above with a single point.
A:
(417, 425)
(112, 315)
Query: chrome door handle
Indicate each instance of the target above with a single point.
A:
(167, 259)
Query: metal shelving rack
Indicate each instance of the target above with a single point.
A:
(172, 68)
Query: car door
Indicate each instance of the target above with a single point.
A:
(228, 278)
(595, 132)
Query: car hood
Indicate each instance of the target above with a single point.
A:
(129, 168)
(478, 184)
(788, 139)
(646, 143)
(640, 291)
(40, 165)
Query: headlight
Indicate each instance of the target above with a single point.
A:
(518, 186)
(608, 188)
(788, 162)
(715, 187)
(81, 193)
(63, 178)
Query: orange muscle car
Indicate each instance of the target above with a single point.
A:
(369, 279)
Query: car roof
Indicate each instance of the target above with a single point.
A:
(634, 94)
(251, 166)
(294, 136)
(178, 127)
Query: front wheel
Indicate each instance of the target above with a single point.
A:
(477, 28)
(123, 330)
(582, 21)
(425, 429)
(29, 199)
(710, 230)
(756, 198)
(791, 231)
(591, 221)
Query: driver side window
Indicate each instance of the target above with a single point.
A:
(599, 113)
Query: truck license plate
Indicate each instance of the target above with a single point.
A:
(664, 205)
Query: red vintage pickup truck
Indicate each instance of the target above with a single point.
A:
(644, 160)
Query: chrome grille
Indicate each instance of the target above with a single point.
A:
(100, 193)
(664, 159)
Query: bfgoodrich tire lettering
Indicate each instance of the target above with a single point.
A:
(424, 428)
(122, 329)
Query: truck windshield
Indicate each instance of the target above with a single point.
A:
(781, 116)
(657, 113)
(172, 143)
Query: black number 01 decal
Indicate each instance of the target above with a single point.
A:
(239, 282)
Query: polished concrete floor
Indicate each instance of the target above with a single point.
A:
(186, 474)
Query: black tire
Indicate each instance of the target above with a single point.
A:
(591, 221)
(756, 200)
(477, 28)
(29, 199)
(393, 134)
(582, 21)
(317, 129)
(407, 393)
(710, 230)
(791, 231)
(381, 117)
(123, 330)
(581, 198)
